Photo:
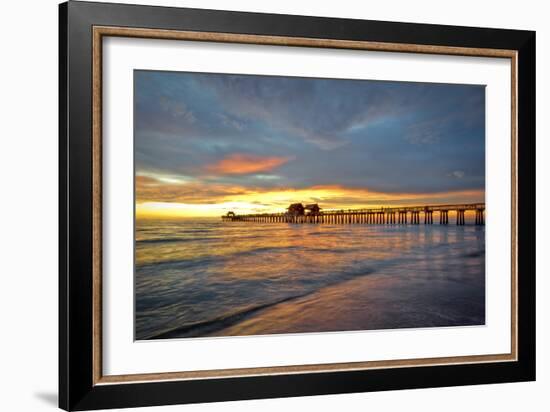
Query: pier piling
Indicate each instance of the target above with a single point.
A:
(312, 214)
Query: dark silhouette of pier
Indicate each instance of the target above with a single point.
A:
(298, 213)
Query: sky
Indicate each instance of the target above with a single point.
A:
(206, 144)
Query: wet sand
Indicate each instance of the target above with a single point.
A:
(380, 302)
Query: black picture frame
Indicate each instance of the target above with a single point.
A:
(77, 390)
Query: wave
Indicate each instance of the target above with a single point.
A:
(332, 250)
(189, 263)
(169, 240)
(197, 239)
(474, 254)
(193, 262)
(219, 323)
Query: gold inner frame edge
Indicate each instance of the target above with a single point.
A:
(102, 31)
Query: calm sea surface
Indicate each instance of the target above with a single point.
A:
(208, 278)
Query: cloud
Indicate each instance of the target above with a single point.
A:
(427, 132)
(198, 199)
(231, 122)
(177, 109)
(242, 130)
(459, 174)
(149, 189)
(287, 106)
(244, 164)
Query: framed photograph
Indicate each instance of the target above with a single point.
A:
(257, 205)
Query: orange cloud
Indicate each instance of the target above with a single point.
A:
(243, 164)
(142, 181)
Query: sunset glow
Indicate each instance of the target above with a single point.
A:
(180, 199)
(208, 144)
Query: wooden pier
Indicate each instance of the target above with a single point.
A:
(312, 214)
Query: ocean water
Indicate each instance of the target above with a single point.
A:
(205, 277)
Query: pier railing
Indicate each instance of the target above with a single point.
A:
(383, 215)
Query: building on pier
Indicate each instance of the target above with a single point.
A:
(296, 209)
(313, 209)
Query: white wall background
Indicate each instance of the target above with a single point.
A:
(28, 203)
